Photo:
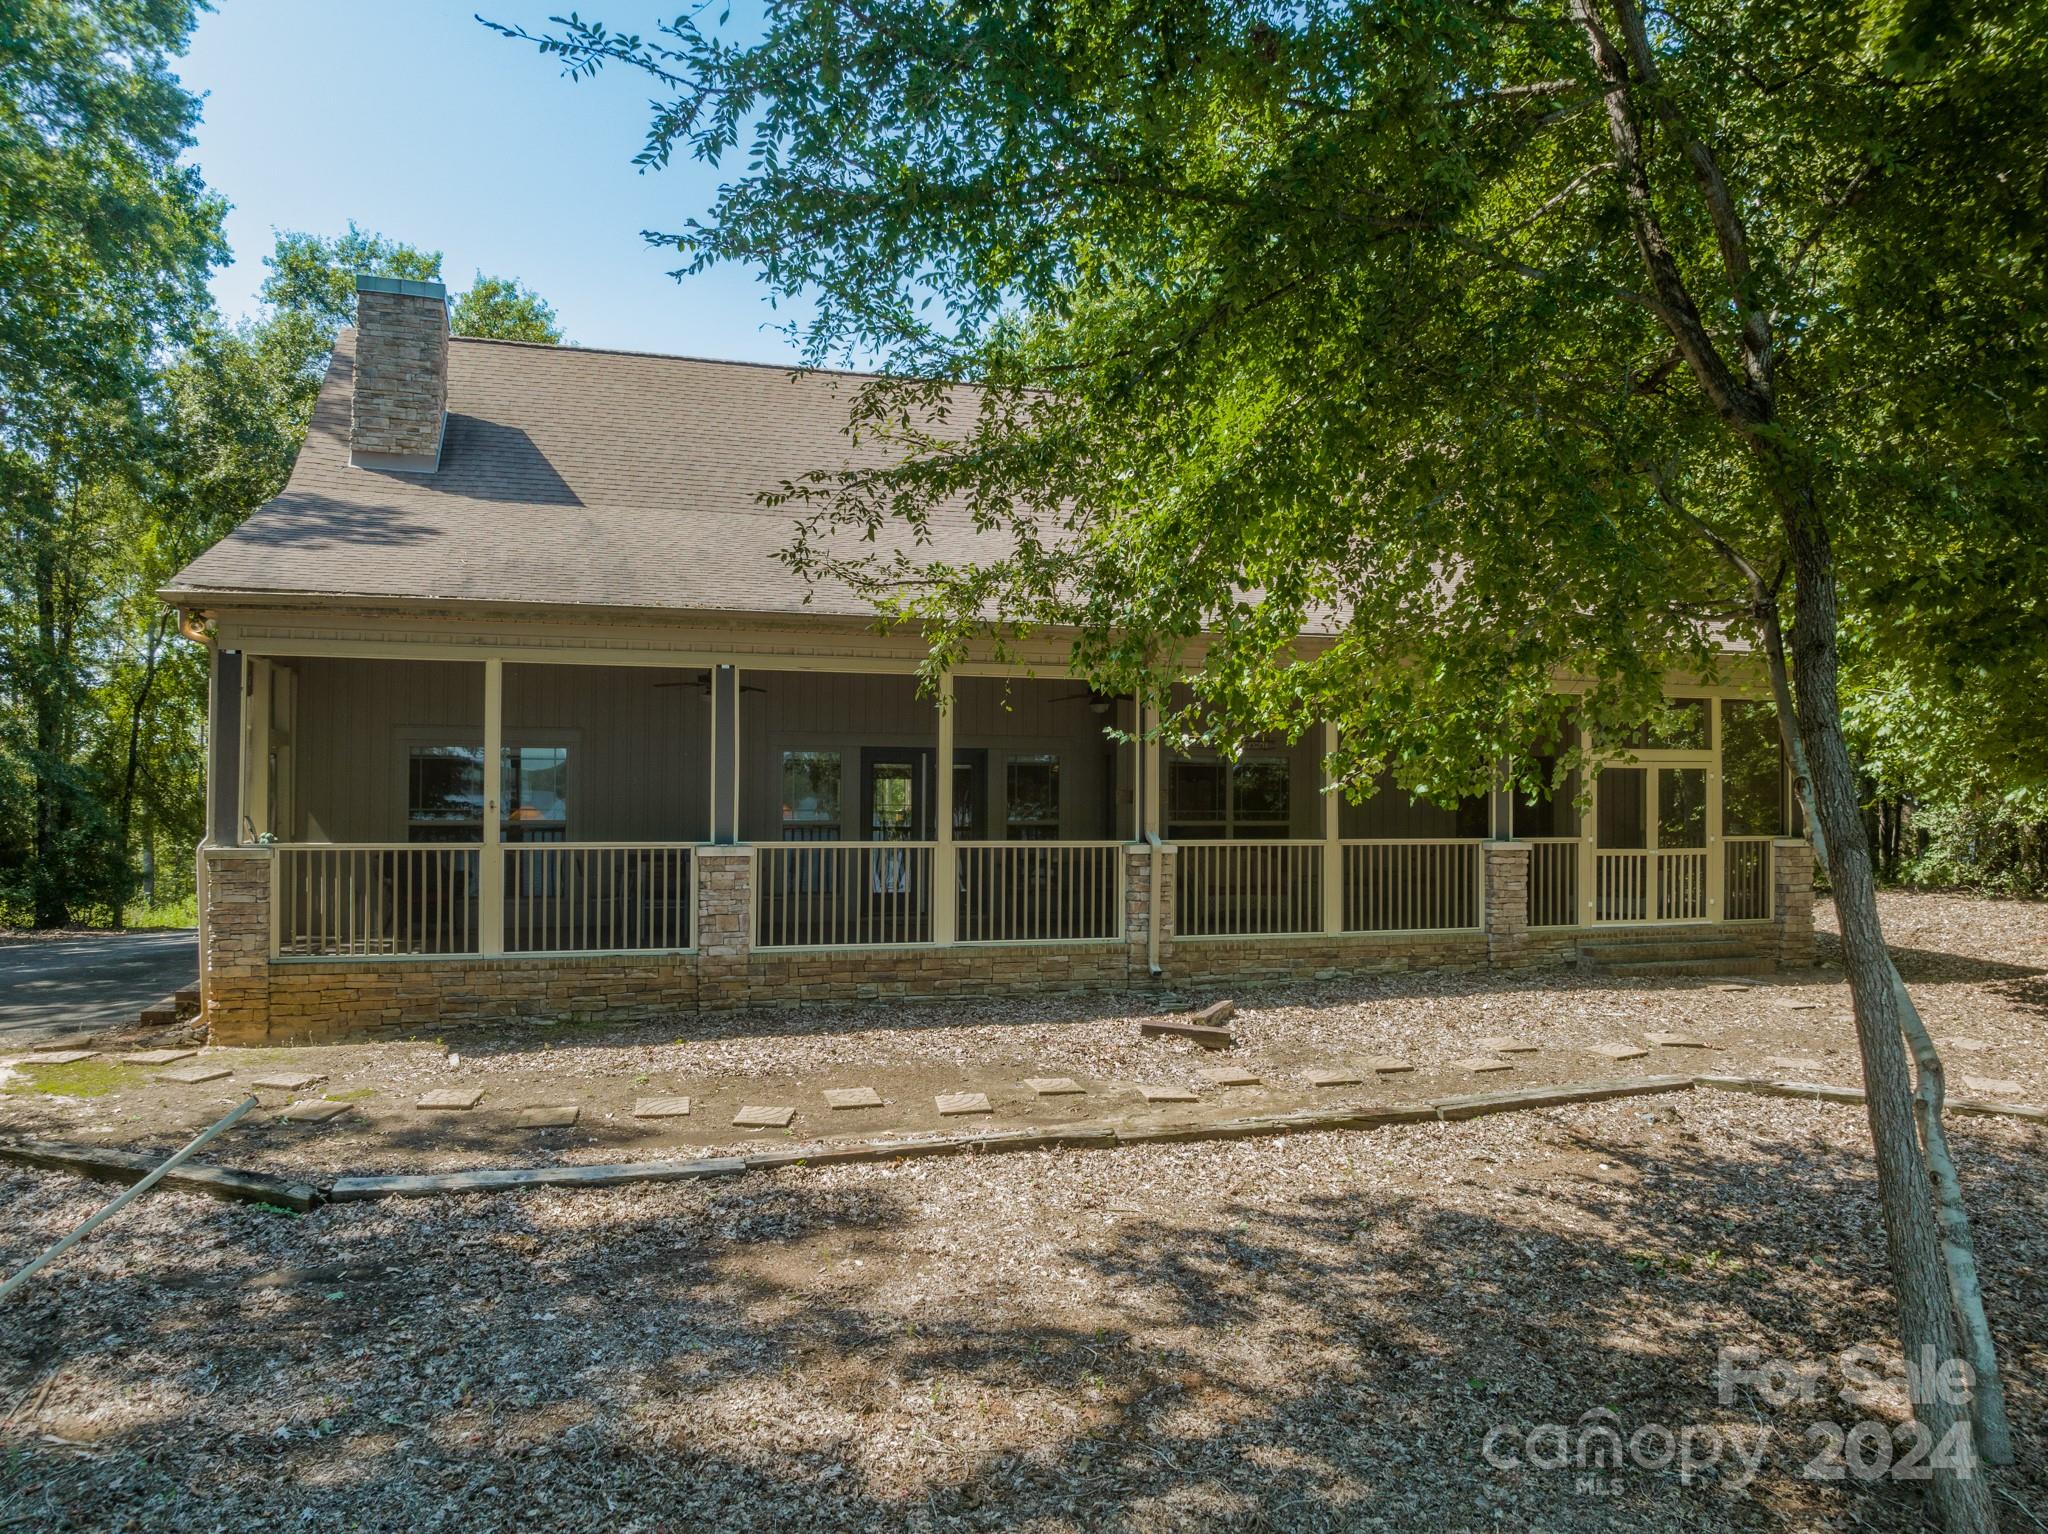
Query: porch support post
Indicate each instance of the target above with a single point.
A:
(490, 884)
(724, 748)
(1717, 860)
(1333, 848)
(224, 751)
(1148, 771)
(256, 745)
(946, 880)
(1589, 833)
(1504, 876)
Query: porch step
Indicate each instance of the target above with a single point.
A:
(180, 1006)
(1633, 950)
(1746, 964)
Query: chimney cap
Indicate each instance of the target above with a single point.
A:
(365, 283)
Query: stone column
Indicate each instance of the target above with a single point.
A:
(725, 926)
(1792, 900)
(1139, 910)
(1505, 880)
(234, 961)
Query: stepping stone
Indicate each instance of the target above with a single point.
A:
(192, 1075)
(453, 1099)
(664, 1108)
(1795, 1062)
(764, 1118)
(286, 1081)
(76, 1041)
(158, 1056)
(1216, 1014)
(1993, 1087)
(1229, 1076)
(1054, 1086)
(61, 1057)
(1675, 1041)
(1389, 1065)
(314, 1110)
(853, 1097)
(1619, 1051)
(950, 1103)
(1481, 1063)
(1332, 1078)
(1507, 1047)
(1787, 1004)
(1733, 985)
(547, 1118)
(1967, 1046)
(1157, 1092)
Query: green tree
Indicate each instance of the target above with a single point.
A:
(1518, 340)
(105, 242)
(500, 309)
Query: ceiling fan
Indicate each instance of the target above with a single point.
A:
(1098, 702)
(703, 685)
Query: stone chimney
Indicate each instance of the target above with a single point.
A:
(401, 388)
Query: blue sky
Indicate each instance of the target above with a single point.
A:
(414, 121)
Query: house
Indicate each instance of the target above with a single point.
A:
(515, 713)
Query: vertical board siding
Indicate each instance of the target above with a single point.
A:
(637, 752)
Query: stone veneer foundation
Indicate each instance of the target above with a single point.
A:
(252, 998)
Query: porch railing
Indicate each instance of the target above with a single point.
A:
(1554, 881)
(1249, 889)
(598, 897)
(366, 900)
(1662, 884)
(1013, 892)
(1411, 885)
(843, 894)
(1746, 889)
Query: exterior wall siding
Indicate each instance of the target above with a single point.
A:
(252, 998)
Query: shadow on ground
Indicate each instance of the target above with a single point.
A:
(817, 1352)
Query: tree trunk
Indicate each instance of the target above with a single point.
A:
(1959, 1247)
(1960, 1491)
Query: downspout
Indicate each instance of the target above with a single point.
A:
(1152, 923)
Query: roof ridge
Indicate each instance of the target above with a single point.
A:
(566, 347)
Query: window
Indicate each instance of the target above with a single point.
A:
(536, 793)
(810, 796)
(1211, 801)
(1197, 801)
(1031, 798)
(1752, 770)
(445, 793)
(1259, 796)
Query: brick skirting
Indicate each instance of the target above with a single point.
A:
(252, 998)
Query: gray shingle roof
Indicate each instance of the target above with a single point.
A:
(568, 476)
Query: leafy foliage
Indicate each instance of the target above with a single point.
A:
(500, 309)
(1333, 316)
(105, 241)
